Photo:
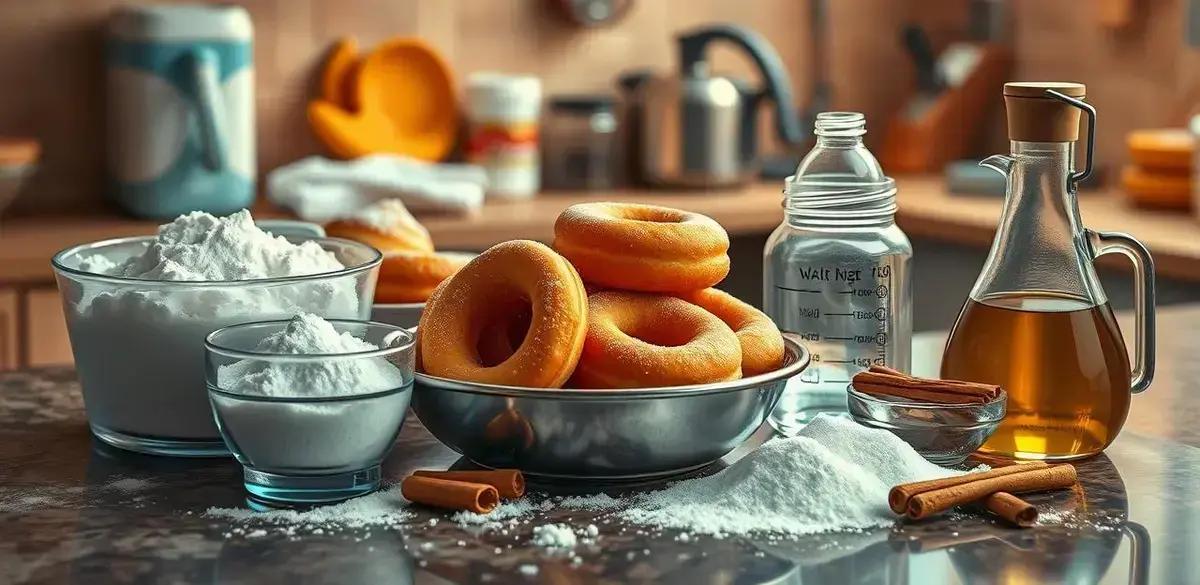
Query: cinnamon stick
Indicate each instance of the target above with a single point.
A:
(508, 482)
(884, 381)
(918, 394)
(898, 497)
(479, 498)
(931, 502)
(1016, 511)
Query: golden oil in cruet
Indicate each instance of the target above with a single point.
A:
(1038, 322)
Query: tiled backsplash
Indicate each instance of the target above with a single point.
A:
(52, 81)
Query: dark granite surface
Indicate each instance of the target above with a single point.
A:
(73, 511)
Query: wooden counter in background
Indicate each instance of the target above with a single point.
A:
(926, 211)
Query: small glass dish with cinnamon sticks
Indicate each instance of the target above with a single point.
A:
(944, 420)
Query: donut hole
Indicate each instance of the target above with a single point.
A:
(656, 333)
(503, 330)
(652, 215)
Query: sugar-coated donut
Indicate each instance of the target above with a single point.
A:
(761, 342)
(386, 225)
(642, 247)
(410, 277)
(637, 340)
(485, 295)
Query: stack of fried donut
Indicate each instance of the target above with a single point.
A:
(520, 314)
(411, 269)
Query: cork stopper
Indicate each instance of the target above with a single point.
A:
(1034, 116)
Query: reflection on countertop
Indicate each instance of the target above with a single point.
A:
(75, 511)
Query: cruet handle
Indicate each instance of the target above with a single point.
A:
(1143, 298)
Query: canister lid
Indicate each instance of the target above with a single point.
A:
(181, 22)
(1034, 116)
(1037, 89)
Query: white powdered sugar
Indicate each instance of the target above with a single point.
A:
(834, 475)
(554, 536)
(139, 346)
(312, 435)
(202, 247)
(383, 508)
(387, 216)
(309, 334)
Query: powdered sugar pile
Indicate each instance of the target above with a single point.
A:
(309, 334)
(200, 246)
(554, 536)
(388, 216)
(835, 475)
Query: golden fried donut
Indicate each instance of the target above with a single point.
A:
(387, 225)
(410, 277)
(762, 345)
(642, 247)
(485, 295)
(637, 340)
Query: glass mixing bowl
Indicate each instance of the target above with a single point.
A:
(297, 446)
(139, 344)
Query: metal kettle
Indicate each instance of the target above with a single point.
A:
(699, 130)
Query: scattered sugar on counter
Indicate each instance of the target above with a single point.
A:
(313, 434)
(835, 475)
(383, 508)
(554, 536)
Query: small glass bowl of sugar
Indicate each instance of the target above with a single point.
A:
(310, 407)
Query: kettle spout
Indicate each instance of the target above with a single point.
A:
(1000, 163)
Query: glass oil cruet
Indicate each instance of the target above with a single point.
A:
(1038, 322)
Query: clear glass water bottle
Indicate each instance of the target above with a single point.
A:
(837, 271)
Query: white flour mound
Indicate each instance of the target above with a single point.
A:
(139, 348)
(309, 334)
(200, 246)
(833, 476)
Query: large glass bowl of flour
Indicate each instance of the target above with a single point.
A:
(138, 310)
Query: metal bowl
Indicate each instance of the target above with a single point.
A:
(612, 435)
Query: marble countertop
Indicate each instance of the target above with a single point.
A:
(75, 511)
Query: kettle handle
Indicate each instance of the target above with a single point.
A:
(203, 72)
(691, 52)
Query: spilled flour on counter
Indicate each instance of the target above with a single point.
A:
(833, 476)
(386, 508)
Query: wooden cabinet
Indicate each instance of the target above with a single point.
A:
(32, 329)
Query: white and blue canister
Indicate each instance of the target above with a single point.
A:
(181, 109)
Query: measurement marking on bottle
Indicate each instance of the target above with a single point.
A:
(839, 361)
(840, 338)
(799, 290)
(839, 314)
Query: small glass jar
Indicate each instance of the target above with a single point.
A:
(837, 271)
(580, 141)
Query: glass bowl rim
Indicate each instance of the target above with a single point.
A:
(57, 262)
(867, 398)
(211, 346)
(307, 399)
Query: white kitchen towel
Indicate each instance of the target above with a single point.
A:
(319, 189)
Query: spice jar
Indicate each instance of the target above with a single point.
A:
(580, 136)
(503, 136)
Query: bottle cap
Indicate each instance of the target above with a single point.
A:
(1034, 116)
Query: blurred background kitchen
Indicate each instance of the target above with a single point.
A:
(117, 115)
